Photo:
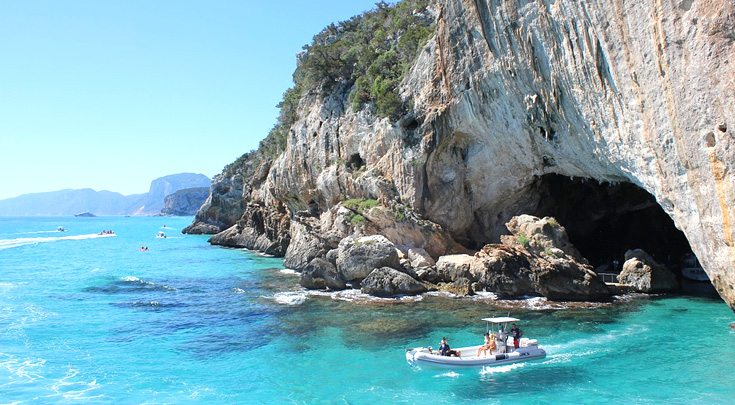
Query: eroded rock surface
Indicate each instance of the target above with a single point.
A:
(645, 274)
(537, 259)
(357, 257)
(320, 274)
(388, 282)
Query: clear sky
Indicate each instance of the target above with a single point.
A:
(112, 94)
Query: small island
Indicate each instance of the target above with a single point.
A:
(85, 215)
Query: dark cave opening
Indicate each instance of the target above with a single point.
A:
(355, 162)
(603, 220)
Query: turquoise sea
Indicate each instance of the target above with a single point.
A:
(93, 319)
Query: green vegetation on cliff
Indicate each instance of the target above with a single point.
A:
(369, 54)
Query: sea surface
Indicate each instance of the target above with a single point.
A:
(91, 318)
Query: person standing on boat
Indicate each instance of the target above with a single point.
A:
(502, 339)
(516, 333)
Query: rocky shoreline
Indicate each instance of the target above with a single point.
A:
(535, 259)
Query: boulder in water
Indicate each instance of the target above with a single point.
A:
(357, 257)
(388, 282)
(320, 274)
(645, 274)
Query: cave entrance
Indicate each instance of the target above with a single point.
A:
(603, 220)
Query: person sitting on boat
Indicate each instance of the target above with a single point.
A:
(445, 350)
(489, 345)
(516, 333)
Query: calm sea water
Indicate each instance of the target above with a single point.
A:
(91, 319)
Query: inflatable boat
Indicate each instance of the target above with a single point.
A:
(504, 353)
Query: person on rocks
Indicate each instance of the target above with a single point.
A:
(516, 333)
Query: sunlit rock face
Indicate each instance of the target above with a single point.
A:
(640, 92)
(507, 92)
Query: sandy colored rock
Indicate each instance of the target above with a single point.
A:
(642, 272)
(357, 257)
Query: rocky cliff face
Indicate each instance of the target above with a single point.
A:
(508, 93)
(185, 202)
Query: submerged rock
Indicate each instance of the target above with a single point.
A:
(357, 257)
(320, 274)
(645, 274)
(388, 282)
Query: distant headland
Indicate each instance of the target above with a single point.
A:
(87, 202)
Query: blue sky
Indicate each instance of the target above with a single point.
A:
(112, 94)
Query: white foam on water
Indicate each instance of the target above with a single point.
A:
(355, 295)
(69, 389)
(25, 371)
(290, 298)
(450, 374)
(485, 295)
(129, 279)
(501, 369)
(18, 242)
(288, 271)
(238, 290)
(444, 294)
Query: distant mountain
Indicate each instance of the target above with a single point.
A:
(70, 202)
(152, 202)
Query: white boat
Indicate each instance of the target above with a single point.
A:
(692, 270)
(505, 353)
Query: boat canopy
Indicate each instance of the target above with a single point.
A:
(501, 319)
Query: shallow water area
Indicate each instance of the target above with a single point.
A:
(97, 320)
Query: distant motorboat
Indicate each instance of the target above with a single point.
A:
(161, 235)
(692, 270)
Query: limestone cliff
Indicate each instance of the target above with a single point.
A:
(185, 202)
(505, 94)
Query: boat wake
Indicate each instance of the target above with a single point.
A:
(501, 369)
(37, 232)
(18, 242)
(596, 345)
(450, 374)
